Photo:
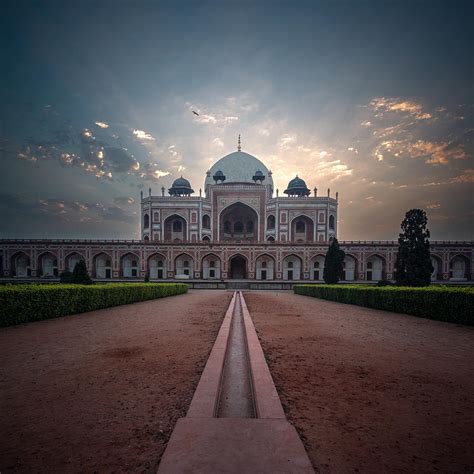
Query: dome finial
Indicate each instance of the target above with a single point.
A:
(239, 148)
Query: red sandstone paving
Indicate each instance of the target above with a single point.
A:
(370, 391)
(102, 391)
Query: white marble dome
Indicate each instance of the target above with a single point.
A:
(238, 167)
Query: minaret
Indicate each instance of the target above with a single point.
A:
(239, 148)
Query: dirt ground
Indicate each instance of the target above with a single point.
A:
(370, 391)
(102, 391)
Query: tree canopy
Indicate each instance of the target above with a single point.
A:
(333, 263)
(413, 265)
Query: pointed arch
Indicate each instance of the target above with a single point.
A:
(271, 222)
(211, 266)
(238, 265)
(206, 221)
(239, 221)
(175, 228)
(302, 229)
(71, 259)
(349, 267)
(130, 265)
(102, 265)
(156, 266)
(459, 268)
(317, 266)
(375, 267)
(265, 267)
(20, 265)
(292, 266)
(184, 266)
(47, 264)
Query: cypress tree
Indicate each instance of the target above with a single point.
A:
(333, 263)
(80, 275)
(413, 265)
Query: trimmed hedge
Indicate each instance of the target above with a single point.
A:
(455, 305)
(25, 303)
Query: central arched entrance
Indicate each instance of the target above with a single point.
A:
(238, 222)
(238, 267)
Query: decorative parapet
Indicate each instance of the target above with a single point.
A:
(469, 243)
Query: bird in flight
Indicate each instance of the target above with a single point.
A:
(195, 113)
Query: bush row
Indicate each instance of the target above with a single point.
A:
(453, 305)
(25, 303)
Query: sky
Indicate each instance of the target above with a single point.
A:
(373, 99)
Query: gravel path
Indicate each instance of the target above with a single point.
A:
(370, 391)
(101, 391)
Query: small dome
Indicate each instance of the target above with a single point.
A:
(258, 177)
(296, 183)
(181, 183)
(180, 187)
(219, 176)
(297, 187)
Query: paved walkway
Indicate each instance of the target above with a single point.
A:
(235, 423)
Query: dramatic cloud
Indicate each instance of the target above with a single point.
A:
(142, 135)
(402, 128)
(114, 131)
(83, 150)
(382, 105)
(432, 153)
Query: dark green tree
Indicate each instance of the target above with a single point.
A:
(413, 265)
(80, 275)
(333, 263)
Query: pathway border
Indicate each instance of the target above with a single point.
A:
(203, 443)
(206, 396)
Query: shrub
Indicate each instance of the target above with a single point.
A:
(441, 303)
(24, 303)
(384, 283)
(80, 275)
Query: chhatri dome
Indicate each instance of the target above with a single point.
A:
(297, 187)
(239, 167)
(180, 187)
